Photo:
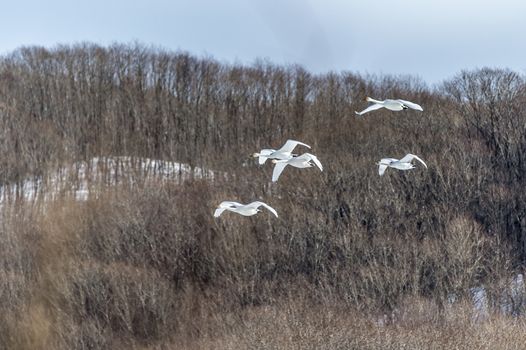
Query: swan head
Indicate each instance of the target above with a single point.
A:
(255, 155)
(274, 161)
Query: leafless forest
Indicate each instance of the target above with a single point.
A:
(354, 261)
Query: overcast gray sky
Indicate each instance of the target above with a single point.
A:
(431, 39)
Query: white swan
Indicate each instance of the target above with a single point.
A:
(402, 164)
(243, 209)
(284, 152)
(306, 160)
(393, 105)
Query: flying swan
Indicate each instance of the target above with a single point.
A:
(306, 160)
(284, 152)
(243, 209)
(393, 105)
(402, 164)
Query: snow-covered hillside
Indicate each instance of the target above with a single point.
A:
(80, 178)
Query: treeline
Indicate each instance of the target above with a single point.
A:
(82, 101)
(345, 235)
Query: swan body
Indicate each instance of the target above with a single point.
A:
(306, 160)
(393, 105)
(284, 152)
(400, 164)
(243, 209)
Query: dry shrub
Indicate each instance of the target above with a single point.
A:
(466, 248)
(34, 329)
(130, 268)
(19, 270)
(112, 268)
(295, 323)
(118, 303)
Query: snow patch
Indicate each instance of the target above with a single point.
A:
(80, 178)
(511, 301)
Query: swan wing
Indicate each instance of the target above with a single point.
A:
(372, 107)
(278, 169)
(314, 159)
(257, 204)
(381, 168)
(226, 205)
(411, 105)
(409, 157)
(219, 211)
(290, 145)
(229, 204)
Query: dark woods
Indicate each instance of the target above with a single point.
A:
(137, 260)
